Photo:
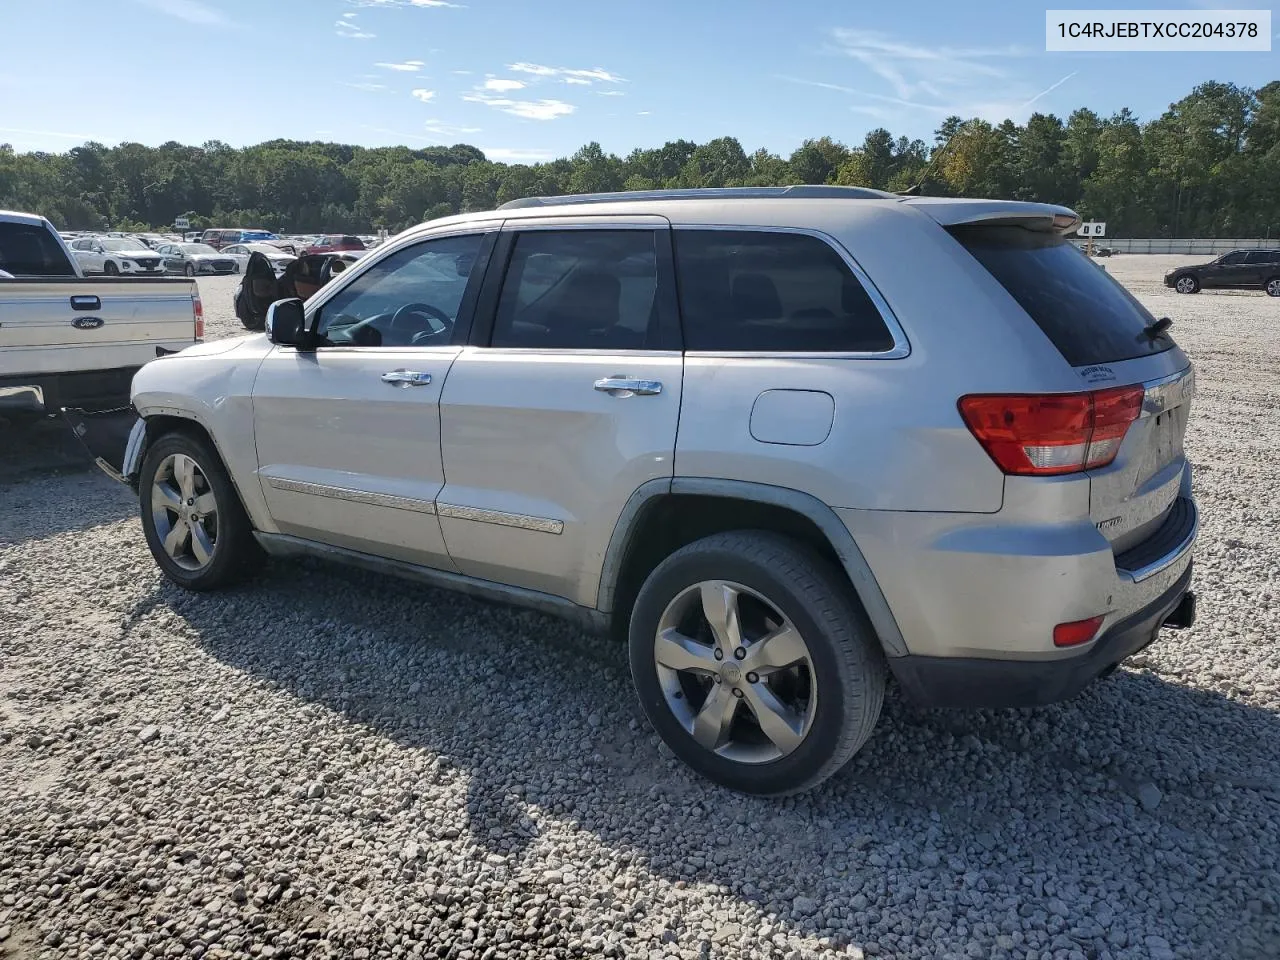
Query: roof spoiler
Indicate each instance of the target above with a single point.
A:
(952, 212)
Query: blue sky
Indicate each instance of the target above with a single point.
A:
(529, 81)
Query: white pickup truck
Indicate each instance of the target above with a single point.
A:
(68, 341)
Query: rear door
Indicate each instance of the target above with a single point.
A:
(1098, 326)
(1262, 264)
(566, 402)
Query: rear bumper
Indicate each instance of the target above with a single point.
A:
(47, 393)
(968, 682)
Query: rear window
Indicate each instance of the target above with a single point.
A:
(352, 242)
(31, 251)
(1087, 315)
(770, 291)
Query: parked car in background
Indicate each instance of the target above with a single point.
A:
(220, 238)
(191, 259)
(336, 243)
(650, 413)
(115, 256)
(1237, 270)
(278, 258)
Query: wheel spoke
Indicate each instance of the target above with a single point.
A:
(720, 607)
(201, 545)
(176, 538)
(776, 722)
(165, 497)
(184, 472)
(206, 505)
(779, 649)
(711, 726)
(678, 652)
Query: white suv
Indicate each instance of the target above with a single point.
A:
(786, 441)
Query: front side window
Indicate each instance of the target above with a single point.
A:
(580, 290)
(411, 298)
(745, 290)
(1234, 258)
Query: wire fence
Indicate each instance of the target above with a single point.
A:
(1187, 247)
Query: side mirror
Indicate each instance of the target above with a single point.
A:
(286, 323)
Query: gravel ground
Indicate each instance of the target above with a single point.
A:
(327, 764)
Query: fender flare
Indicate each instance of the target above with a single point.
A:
(822, 516)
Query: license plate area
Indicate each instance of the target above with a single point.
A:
(1165, 432)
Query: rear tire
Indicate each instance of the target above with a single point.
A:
(192, 517)
(1186, 284)
(818, 691)
(190, 270)
(1272, 286)
(110, 269)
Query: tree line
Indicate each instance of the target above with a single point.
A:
(1209, 166)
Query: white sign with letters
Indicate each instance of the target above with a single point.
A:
(181, 223)
(1092, 229)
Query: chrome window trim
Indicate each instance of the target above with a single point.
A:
(519, 520)
(901, 345)
(353, 496)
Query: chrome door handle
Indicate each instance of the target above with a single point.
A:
(625, 387)
(406, 378)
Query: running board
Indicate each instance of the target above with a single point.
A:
(282, 545)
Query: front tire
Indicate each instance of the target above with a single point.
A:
(1272, 286)
(190, 270)
(755, 663)
(1186, 284)
(110, 269)
(192, 517)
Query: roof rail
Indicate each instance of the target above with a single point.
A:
(797, 192)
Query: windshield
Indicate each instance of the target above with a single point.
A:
(124, 246)
(196, 248)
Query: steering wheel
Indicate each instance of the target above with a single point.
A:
(403, 325)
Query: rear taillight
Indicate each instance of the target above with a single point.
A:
(1053, 433)
(198, 310)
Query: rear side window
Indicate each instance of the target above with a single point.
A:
(30, 251)
(580, 290)
(1087, 315)
(747, 290)
(353, 242)
(1264, 256)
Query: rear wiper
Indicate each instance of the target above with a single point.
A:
(1156, 328)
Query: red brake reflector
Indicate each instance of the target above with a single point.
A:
(1076, 633)
(198, 313)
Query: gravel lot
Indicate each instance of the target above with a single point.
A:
(327, 764)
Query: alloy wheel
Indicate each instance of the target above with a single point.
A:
(1186, 285)
(1273, 288)
(735, 672)
(185, 512)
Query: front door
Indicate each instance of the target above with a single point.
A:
(348, 435)
(566, 402)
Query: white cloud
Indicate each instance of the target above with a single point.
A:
(442, 129)
(408, 66)
(188, 10)
(348, 16)
(426, 96)
(461, 73)
(577, 81)
(345, 28)
(644, 113)
(498, 85)
(598, 74)
(941, 81)
(527, 109)
(517, 155)
(609, 93)
(366, 87)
